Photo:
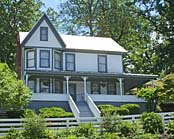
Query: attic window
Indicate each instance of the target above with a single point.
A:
(43, 33)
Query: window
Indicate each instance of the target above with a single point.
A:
(111, 88)
(102, 63)
(57, 60)
(44, 86)
(30, 59)
(58, 87)
(95, 88)
(43, 33)
(44, 58)
(32, 85)
(70, 62)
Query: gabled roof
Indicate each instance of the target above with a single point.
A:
(86, 43)
(44, 17)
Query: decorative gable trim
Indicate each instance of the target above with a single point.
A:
(44, 17)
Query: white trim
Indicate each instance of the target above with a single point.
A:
(116, 98)
(38, 59)
(49, 97)
(35, 58)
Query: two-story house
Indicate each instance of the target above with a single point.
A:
(74, 71)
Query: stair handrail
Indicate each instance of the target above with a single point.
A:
(73, 107)
(94, 109)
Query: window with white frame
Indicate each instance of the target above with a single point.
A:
(58, 87)
(32, 85)
(30, 58)
(43, 33)
(57, 60)
(102, 63)
(111, 88)
(95, 88)
(44, 58)
(70, 62)
(44, 85)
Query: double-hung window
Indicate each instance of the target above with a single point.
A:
(30, 63)
(95, 88)
(43, 33)
(44, 85)
(70, 62)
(57, 60)
(32, 85)
(111, 88)
(58, 87)
(102, 63)
(44, 59)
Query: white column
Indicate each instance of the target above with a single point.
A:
(121, 86)
(67, 83)
(26, 79)
(84, 80)
(153, 84)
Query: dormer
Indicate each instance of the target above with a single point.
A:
(43, 34)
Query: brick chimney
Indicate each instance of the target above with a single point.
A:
(18, 57)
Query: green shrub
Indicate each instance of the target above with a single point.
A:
(85, 130)
(54, 112)
(34, 127)
(147, 136)
(107, 109)
(121, 111)
(14, 134)
(133, 108)
(170, 126)
(152, 122)
(127, 129)
(110, 136)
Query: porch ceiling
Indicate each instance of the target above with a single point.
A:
(130, 80)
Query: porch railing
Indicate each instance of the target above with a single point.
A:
(92, 106)
(73, 107)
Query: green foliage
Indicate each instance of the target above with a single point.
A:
(152, 123)
(151, 95)
(54, 112)
(34, 127)
(15, 16)
(13, 93)
(127, 129)
(14, 134)
(122, 111)
(110, 136)
(147, 136)
(170, 126)
(133, 108)
(86, 130)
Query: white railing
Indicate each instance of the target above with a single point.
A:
(73, 107)
(96, 112)
(61, 123)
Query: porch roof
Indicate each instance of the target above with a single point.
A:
(130, 80)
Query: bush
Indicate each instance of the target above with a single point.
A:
(86, 130)
(133, 108)
(110, 136)
(122, 111)
(54, 112)
(147, 136)
(127, 129)
(170, 126)
(34, 127)
(14, 134)
(107, 109)
(152, 123)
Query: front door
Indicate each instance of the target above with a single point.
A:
(72, 91)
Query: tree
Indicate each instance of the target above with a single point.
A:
(160, 15)
(13, 93)
(116, 19)
(16, 15)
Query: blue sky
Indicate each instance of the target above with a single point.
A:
(52, 3)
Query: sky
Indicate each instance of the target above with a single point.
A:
(51, 3)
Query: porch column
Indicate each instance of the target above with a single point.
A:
(153, 84)
(26, 79)
(121, 86)
(67, 83)
(84, 80)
